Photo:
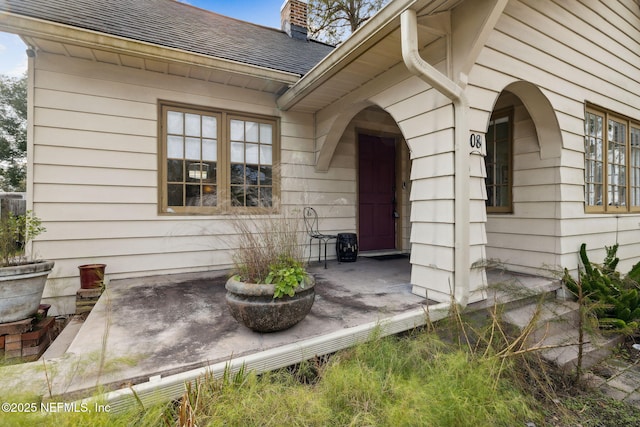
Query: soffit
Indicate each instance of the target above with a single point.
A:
(166, 66)
(383, 53)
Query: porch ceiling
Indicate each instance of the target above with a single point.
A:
(367, 55)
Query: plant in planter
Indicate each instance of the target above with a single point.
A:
(270, 290)
(21, 280)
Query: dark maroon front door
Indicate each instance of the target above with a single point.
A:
(376, 187)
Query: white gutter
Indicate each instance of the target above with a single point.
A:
(444, 85)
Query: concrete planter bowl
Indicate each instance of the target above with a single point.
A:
(254, 306)
(21, 288)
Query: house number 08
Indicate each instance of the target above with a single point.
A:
(475, 140)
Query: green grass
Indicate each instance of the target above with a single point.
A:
(413, 380)
(392, 381)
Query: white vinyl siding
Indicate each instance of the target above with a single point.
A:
(96, 181)
(561, 48)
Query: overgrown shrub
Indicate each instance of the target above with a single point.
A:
(264, 243)
(614, 298)
(15, 232)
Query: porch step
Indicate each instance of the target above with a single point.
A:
(510, 291)
(555, 325)
(550, 318)
(565, 355)
(63, 341)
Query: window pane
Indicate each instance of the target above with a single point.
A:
(197, 171)
(251, 175)
(252, 196)
(251, 151)
(593, 160)
(237, 130)
(502, 195)
(502, 129)
(266, 133)
(237, 196)
(191, 180)
(193, 195)
(174, 195)
(252, 132)
(192, 148)
(175, 147)
(175, 122)
(266, 197)
(209, 127)
(237, 152)
(209, 150)
(192, 124)
(498, 163)
(266, 155)
(634, 165)
(237, 174)
(209, 195)
(212, 172)
(174, 170)
(616, 158)
(265, 175)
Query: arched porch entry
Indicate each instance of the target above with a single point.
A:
(523, 182)
(373, 151)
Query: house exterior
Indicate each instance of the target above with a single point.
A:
(457, 131)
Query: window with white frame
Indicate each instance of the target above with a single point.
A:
(611, 162)
(214, 161)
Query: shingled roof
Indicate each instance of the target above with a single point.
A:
(177, 25)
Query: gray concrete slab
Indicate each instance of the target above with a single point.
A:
(162, 325)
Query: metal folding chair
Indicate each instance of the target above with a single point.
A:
(311, 224)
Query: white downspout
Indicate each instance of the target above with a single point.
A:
(444, 85)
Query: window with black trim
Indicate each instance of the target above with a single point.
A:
(498, 162)
(611, 162)
(216, 161)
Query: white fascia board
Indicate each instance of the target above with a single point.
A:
(33, 27)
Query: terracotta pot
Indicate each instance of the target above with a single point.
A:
(21, 289)
(91, 275)
(254, 306)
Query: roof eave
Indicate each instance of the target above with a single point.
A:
(33, 27)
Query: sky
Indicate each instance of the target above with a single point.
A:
(13, 59)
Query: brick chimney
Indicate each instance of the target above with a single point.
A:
(293, 18)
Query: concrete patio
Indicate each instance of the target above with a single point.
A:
(161, 330)
(165, 325)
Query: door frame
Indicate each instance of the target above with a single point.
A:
(401, 152)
